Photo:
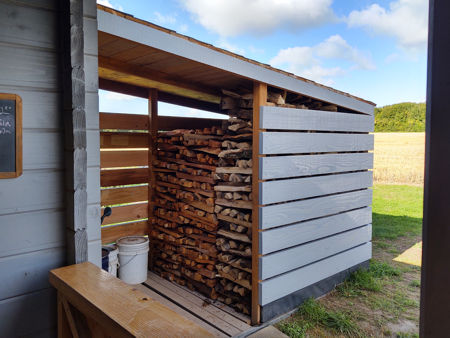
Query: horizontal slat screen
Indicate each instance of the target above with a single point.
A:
(124, 174)
(298, 233)
(314, 198)
(298, 188)
(285, 284)
(291, 142)
(304, 119)
(298, 256)
(286, 213)
(306, 165)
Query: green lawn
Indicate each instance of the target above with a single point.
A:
(387, 293)
(397, 211)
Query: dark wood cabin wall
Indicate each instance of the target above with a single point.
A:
(32, 209)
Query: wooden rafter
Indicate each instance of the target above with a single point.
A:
(111, 69)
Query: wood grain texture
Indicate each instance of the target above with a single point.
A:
(280, 286)
(124, 195)
(280, 214)
(111, 233)
(298, 233)
(304, 119)
(120, 309)
(307, 165)
(195, 302)
(295, 257)
(292, 142)
(127, 213)
(110, 140)
(140, 122)
(259, 99)
(298, 188)
(117, 177)
(123, 158)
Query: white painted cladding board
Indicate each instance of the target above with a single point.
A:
(281, 214)
(283, 285)
(305, 119)
(291, 235)
(133, 31)
(296, 142)
(298, 188)
(283, 261)
(307, 165)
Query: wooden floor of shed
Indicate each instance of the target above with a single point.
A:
(216, 317)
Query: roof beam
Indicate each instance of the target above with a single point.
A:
(114, 70)
(127, 89)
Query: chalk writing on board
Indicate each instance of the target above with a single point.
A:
(7, 135)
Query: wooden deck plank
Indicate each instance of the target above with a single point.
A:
(213, 314)
(120, 309)
(164, 301)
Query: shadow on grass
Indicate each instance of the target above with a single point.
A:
(393, 227)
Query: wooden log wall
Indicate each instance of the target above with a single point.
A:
(124, 170)
(314, 212)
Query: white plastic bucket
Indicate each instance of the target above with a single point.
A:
(133, 259)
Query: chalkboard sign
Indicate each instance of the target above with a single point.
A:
(10, 135)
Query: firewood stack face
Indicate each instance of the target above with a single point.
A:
(201, 230)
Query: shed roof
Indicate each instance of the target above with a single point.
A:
(135, 51)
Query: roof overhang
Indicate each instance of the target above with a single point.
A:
(141, 54)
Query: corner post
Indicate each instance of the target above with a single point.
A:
(259, 99)
(152, 155)
(73, 85)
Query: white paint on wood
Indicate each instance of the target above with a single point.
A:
(291, 235)
(304, 119)
(93, 222)
(34, 190)
(28, 315)
(280, 214)
(293, 142)
(283, 285)
(298, 256)
(298, 188)
(306, 165)
(30, 26)
(91, 73)
(93, 185)
(92, 109)
(95, 252)
(90, 36)
(28, 272)
(34, 157)
(146, 35)
(32, 231)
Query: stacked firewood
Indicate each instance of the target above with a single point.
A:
(234, 204)
(185, 224)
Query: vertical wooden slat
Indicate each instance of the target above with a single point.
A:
(259, 99)
(152, 135)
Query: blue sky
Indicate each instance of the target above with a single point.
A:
(372, 49)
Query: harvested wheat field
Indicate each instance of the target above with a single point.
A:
(399, 158)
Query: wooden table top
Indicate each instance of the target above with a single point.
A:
(118, 307)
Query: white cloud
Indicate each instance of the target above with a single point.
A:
(164, 19)
(308, 61)
(107, 3)
(233, 17)
(405, 20)
(183, 28)
(222, 43)
(117, 96)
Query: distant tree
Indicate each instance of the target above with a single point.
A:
(400, 117)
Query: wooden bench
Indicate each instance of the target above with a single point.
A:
(93, 303)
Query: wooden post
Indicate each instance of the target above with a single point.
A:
(435, 296)
(73, 88)
(152, 151)
(259, 99)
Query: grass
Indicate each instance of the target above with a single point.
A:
(397, 211)
(399, 158)
(383, 300)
